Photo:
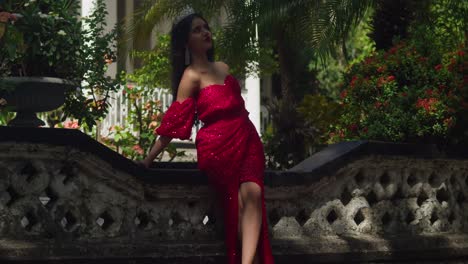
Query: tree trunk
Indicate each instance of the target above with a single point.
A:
(287, 121)
(391, 18)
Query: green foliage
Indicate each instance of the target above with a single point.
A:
(318, 113)
(49, 39)
(135, 138)
(155, 71)
(357, 46)
(322, 24)
(401, 95)
(445, 27)
(43, 41)
(5, 115)
(256, 59)
(97, 52)
(303, 130)
(284, 143)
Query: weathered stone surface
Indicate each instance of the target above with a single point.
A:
(66, 198)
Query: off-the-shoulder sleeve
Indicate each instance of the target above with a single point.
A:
(178, 120)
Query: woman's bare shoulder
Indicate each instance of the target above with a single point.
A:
(191, 74)
(222, 66)
(189, 82)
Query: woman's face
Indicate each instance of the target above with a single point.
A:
(200, 36)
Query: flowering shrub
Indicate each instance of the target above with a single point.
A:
(402, 95)
(135, 139)
(69, 124)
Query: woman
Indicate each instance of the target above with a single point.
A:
(229, 150)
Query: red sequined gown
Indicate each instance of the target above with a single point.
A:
(229, 152)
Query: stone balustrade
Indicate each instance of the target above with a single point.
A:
(64, 198)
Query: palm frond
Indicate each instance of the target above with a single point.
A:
(331, 21)
(153, 12)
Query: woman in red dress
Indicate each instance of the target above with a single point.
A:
(229, 150)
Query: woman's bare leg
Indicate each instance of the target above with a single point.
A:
(250, 220)
(239, 229)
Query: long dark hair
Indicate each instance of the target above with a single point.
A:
(179, 38)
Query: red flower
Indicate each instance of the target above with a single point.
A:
(342, 135)
(429, 92)
(381, 69)
(438, 67)
(353, 127)
(461, 53)
(403, 94)
(353, 81)
(5, 16)
(450, 94)
(390, 78)
(427, 103)
(148, 106)
(380, 81)
(343, 94)
(138, 149)
(71, 124)
(452, 64)
(378, 104)
(423, 59)
(464, 104)
(448, 122)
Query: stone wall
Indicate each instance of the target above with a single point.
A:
(66, 198)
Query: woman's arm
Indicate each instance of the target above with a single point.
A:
(158, 146)
(187, 85)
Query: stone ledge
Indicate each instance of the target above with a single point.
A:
(68, 199)
(344, 249)
(323, 163)
(329, 159)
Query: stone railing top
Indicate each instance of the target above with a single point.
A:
(323, 163)
(186, 173)
(334, 156)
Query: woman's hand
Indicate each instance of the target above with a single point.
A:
(143, 163)
(157, 147)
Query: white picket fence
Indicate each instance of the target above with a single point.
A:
(119, 110)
